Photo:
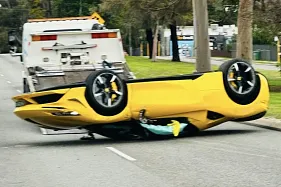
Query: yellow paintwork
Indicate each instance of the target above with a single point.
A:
(176, 127)
(161, 99)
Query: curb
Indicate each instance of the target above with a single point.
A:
(267, 123)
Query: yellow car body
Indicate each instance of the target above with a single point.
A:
(200, 98)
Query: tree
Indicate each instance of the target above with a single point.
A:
(223, 12)
(149, 15)
(71, 8)
(245, 37)
(267, 22)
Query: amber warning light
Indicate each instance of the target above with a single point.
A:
(44, 37)
(104, 35)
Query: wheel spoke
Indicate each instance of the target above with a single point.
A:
(248, 69)
(236, 67)
(98, 94)
(231, 79)
(118, 93)
(100, 79)
(250, 83)
(109, 102)
(113, 78)
(240, 89)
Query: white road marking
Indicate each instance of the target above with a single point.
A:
(19, 91)
(1, 75)
(121, 154)
(9, 82)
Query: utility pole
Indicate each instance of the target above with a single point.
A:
(130, 40)
(49, 8)
(80, 9)
(203, 54)
(194, 30)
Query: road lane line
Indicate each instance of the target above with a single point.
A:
(121, 154)
(19, 91)
(1, 75)
(9, 82)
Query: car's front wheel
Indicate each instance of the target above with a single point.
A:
(241, 82)
(106, 92)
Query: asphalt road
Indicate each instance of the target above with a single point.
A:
(231, 154)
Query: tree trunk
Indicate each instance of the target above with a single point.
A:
(263, 6)
(149, 39)
(174, 38)
(201, 25)
(245, 36)
(155, 41)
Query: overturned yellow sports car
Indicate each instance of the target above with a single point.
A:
(141, 108)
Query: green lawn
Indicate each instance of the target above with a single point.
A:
(143, 68)
(275, 105)
(274, 77)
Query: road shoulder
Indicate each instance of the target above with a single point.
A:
(266, 122)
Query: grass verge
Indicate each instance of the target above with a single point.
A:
(275, 105)
(144, 68)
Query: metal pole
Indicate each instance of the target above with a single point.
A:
(203, 54)
(278, 51)
(80, 9)
(194, 29)
(130, 40)
(141, 49)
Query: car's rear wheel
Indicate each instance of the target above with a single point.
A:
(106, 92)
(241, 82)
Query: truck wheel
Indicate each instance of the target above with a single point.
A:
(241, 82)
(26, 88)
(106, 92)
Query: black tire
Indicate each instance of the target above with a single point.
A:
(93, 84)
(253, 81)
(26, 88)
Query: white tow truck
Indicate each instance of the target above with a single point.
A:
(61, 51)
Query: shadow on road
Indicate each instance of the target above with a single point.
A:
(108, 142)
(225, 132)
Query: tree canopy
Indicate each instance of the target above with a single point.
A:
(139, 15)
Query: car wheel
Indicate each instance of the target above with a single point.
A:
(106, 92)
(241, 82)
